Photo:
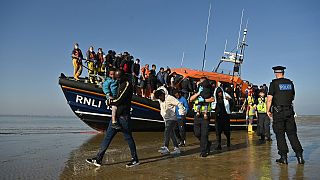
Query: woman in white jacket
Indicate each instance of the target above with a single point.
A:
(168, 106)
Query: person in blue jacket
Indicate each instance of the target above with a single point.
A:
(110, 88)
(181, 119)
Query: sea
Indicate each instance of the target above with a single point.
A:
(36, 147)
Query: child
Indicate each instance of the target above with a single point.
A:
(168, 106)
(110, 88)
(263, 126)
(181, 119)
(205, 93)
(251, 112)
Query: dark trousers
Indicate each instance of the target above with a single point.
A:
(169, 133)
(283, 122)
(201, 131)
(263, 129)
(111, 132)
(180, 130)
(135, 83)
(222, 124)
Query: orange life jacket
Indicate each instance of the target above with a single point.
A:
(145, 72)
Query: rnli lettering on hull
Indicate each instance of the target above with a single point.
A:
(88, 101)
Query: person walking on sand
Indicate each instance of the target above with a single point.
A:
(279, 107)
(181, 119)
(222, 112)
(123, 103)
(168, 106)
(201, 123)
(263, 129)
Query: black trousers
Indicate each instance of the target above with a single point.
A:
(134, 83)
(284, 123)
(263, 125)
(222, 124)
(201, 131)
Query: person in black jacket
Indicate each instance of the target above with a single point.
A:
(280, 109)
(135, 69)
(123, 103)
(186, 87)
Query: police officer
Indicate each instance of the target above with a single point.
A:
(201, 122)
(279, 107)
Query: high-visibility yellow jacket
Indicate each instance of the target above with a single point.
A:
(262, 105)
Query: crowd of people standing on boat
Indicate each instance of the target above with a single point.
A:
(144, 78)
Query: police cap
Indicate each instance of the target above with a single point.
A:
(278, 69)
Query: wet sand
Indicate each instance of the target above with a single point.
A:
(245, 159)
(55, 153)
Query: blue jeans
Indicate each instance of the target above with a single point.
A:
(180, 130)
(110, 133)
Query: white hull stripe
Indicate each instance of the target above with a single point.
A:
(108, 115)
(143, 119)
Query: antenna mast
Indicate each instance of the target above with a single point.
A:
(235, 57)
(205, 42)
(182, 59)
(240, 29)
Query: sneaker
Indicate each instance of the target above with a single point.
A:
(94, 162)
(175, 151)
(182, 143)
(115, 126)
(133, 163)
(164, 150)
(204, 154)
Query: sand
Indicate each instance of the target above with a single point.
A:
(62, 156)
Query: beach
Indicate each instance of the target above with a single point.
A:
(56, 148)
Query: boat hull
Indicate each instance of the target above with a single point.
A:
(87, 101)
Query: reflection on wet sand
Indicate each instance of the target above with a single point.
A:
(245, 159)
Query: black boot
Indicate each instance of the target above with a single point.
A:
(283, 159)
(262, 138)
(208, 146)
(219, 142)
(228, 139)
(300, 159)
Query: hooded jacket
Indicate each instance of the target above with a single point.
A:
(168, 106)
(226, 102)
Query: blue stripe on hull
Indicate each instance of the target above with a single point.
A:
(93, 111)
